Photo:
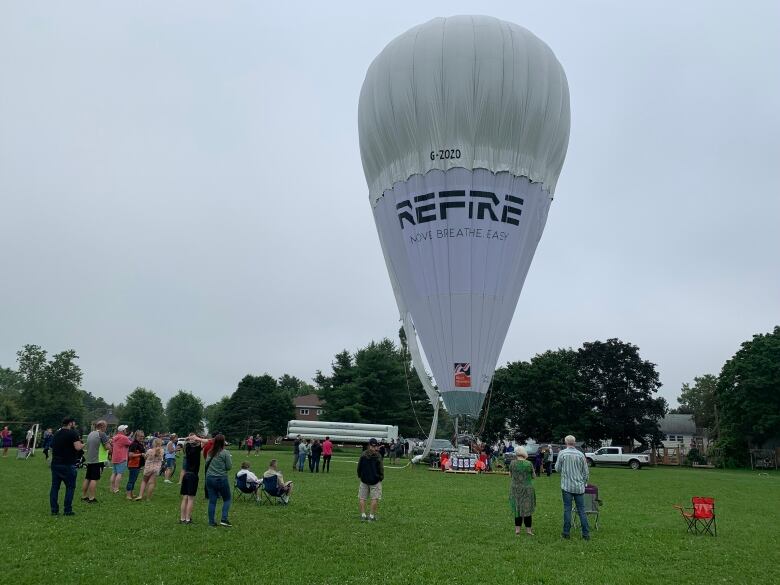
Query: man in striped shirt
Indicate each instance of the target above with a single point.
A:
(573, 467)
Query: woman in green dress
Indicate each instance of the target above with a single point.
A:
(522, 495)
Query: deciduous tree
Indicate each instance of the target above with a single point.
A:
(144, 410)
(748, 396)
(622, 386)
(257, 405)
(185, 413)
(698, 399)
(50, 388)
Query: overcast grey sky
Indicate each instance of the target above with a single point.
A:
(153, 155)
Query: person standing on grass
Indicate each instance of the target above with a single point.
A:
(303, 451)
(316, 453)
(95, 466)
(7, 437)
(250, 444)
(66, 448)
(154, 462)
(189, 483)
(120, 445)
(170, 457)
(135, 461)
(327, 453)
(522, 496)
(48, 438)
(258, 444)
(296, 451)
(371, 473)
(573, 467)
(548, 460)
(217, 466)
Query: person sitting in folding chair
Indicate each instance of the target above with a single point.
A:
(274, 484)
(701, 518)
(247, 483)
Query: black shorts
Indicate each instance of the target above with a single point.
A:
(189, 484)
(94, 470)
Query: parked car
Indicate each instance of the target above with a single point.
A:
(616, 456)
(438, 446)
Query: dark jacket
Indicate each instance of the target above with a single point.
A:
(316, 449)
(370, 469)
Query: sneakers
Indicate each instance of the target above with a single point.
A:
(85, 499)
(93, 501)
(168, 481)
(565, 536)
(285, 499)
(69, 514)
(225, 523)
(137, 498)
(363, 517)
(371, 518)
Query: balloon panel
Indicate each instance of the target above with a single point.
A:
(458, 245)
(465, 91)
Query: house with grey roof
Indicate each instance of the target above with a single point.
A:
(679, 430)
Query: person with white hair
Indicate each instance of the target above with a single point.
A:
(522, 495)
(573, 468)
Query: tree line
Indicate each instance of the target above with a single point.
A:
(740, 407)
(602, 390)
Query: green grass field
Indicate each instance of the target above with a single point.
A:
(432, 528)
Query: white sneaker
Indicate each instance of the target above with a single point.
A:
(285, 498)
(168, 481)
(372, 518)
(363, 517)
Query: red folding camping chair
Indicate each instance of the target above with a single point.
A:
(701, 517)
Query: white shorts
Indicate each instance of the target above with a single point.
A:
(373, 491)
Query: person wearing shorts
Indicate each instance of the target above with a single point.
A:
(189, 481)
(120, 446)
(170, 457)
(95, 439)
(371, 473)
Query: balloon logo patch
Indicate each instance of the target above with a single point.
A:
(463, 375)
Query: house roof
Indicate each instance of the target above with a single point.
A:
(308, 400)
(677, 424)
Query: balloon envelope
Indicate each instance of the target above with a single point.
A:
(464, 124)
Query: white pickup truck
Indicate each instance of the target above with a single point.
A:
(615, 456)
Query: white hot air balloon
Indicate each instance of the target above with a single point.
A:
(464, 124)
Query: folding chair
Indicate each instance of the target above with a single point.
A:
(242, 491)
(270, 490)
(592, 503)
(700, 519)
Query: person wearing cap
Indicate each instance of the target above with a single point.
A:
(65, 451)
(371, 473)
(120, 445)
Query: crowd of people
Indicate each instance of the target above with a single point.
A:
(574, 473)
(153, 457)
(150, 458)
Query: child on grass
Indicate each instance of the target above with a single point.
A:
(154, 460)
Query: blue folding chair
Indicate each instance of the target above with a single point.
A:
(242, 490)
(271, 492)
